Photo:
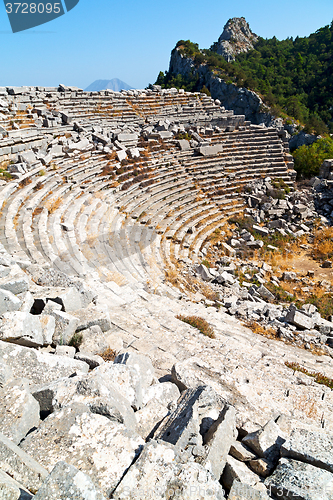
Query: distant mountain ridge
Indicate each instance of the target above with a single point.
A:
(114, 84)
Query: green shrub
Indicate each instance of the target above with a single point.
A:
(308, 159)
(76, 340)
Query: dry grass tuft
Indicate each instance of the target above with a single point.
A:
(108, 355)
(320, 378)
(261, 330)
(201, 324)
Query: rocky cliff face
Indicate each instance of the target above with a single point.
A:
(237, 37)
(242, 101)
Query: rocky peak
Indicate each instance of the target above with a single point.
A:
(237, 37)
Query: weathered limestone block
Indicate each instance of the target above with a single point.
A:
(125, 379)
(65, 480)
(218, 440)
(159, 474)
(11, 489)
(9, 302)
(91, 316)
(37, 366)
(241, 452)
(266, 442)
(210, 150)
(102, 448)
(70, 299)
(141, 364)
(20, 466)
(312, 447)
(235, 470)
(196, 411)
(5, 373)
(165, 393)
(299, 319)
(94, 341)
(48, 327)
(65, 327)
(19, 411)
(15, 285)
(292, 479)
(91, 359)
(93, 391)
(149, 417)
(21, 328)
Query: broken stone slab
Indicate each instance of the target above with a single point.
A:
(184, 145)
(141, 364)
(266, 442)
(262, 466)
(19, 411)
(218, 440)
(20, 466)
(87, 441)
(241, 452)
(125, 379)
(297, 318)
(64, 480)
(235, 470)
(203, 272)
(93, 391)
(70, 300)
(21, 328)
(9, 302)
(91, 359)
(65, 327)
(15, 285)
(48, 327)
(292, 479)
(165, 393)
(265, 293)
(94, 341)
(159, 473)
(210, 150)
(91, 316)
(65, 350)
(196, 411)
(312, 447)
(39, 367)
(149, 418)
(242, 491)
(263, 231)
(11, 489)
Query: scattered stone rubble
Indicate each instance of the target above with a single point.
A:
(175, 414)
(89, 441)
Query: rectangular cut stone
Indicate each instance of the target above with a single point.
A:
(210, 150)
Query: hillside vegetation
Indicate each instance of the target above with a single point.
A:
(293, 76)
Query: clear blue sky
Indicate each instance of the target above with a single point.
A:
(131, 40)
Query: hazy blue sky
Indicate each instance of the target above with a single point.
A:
(132, 40)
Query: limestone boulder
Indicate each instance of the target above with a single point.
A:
(39, 367)
(125, 379)
(65, 480)
(99, 447)
(312, 447)
(292, 479)
(158, 474)
(19, 411)
(20, 466)
(141, 364)
(21, 328)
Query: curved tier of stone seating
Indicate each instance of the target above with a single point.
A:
(87, 214)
